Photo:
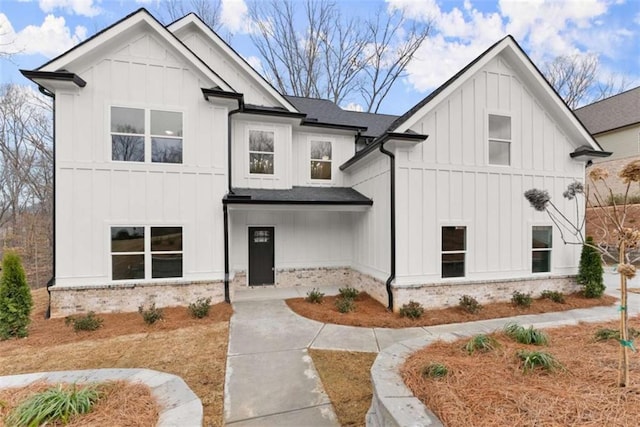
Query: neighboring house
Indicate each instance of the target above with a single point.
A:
(180, 172)
(615, 123)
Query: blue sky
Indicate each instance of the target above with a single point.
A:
(38, 30)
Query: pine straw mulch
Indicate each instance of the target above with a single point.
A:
(370, 313)
(193, 349)
(490, 389)
(129, 404)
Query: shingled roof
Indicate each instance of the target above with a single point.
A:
(298, 196)
(611, 113)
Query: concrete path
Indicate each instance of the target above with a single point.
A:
(271, 380)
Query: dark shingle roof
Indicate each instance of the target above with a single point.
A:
(298, 196)
(611, 113)
(326, 111)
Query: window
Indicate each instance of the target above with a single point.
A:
(454, 248)
(146, 252)
(138, 135)
(499, 140)
(261, 152)
(541, 249)
(320, 154)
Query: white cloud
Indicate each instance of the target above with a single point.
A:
(234, 16)
(353, 106)
(255, 62)
(49, 39)
(78, 7)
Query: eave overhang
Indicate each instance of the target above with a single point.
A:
(585, 154)
(52, 80)
(219, 93)
(333, 198)
(385, 137)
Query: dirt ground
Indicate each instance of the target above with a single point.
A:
(371, 313)
(491, 389)
(194, 349)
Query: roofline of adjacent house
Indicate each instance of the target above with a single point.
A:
(615, 129)
(54, 75)
(412, 137)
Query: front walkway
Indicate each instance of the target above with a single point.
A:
(271, 380)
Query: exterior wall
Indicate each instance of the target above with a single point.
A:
(342, 149)
(600, 191)
(447, 181)
(93, 192)
(70, 300)
(623, 143)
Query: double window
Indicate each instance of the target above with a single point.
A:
(499, 140)
(261, 152)
(541, 249)
(454, 250)
(143, 135)
(146, 252)
(320, 155)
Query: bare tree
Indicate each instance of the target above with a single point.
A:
(207, 10)
(321, 53)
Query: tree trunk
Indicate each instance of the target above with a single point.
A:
(623, 370)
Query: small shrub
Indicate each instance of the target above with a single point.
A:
(349, 292)
(469, 304)
(524, 335)
(314, 296)
(435, 370)
(88, 322)
(152, 314)
(606, 334)
(57, 404)
(481, 343)
(590, 271)
(412, 310)
(345, 305)
(520, 299)
(15, 298)
(200, 308)
(554, 296)
(533, 359)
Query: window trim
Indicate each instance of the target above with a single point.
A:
(148, 253)
(465, 252)
(331, 141)
(489, 139)
(532, 249)
(248, 150)
(147, 135)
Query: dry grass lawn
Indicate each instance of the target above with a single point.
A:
(194, 349)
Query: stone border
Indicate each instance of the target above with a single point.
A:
(179, 406)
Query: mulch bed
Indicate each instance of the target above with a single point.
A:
(370, 313)
(490, 389)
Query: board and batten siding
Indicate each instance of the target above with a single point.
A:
(93, 192)
(447, 181)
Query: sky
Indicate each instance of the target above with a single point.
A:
(38, 30)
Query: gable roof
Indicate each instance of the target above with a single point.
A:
(194, 19)
(139, 17)
(611, 113)
(512, 50)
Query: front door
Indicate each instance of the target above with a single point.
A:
(261, 261)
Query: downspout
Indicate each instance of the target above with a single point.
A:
(52, 281)
(392, 225)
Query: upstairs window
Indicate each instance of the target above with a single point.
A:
(139, 135)
(261, 152)
(320, 153)
(499, 140)
(541, 249)
(454, 250)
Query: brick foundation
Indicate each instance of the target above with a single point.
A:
(114, 298)
(291, 277)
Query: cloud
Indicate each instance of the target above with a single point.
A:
(353, 106)
(255, 63)
(234, 16)
(78, 7)
(49, 39)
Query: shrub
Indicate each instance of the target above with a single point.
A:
(349, 292)
(524, 335)
(481, 343)
(200, 308)
(435, 370)
(412, 310)
(345, 305)
(88, 322)
(152, 314)
(590, 271)
(554, 296)
(15, 298)
(520, 299)
(606, 334)
(314, 296)
(57, 404)
(469, 304)
(533, 359)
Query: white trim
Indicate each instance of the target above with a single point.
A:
(248, 127)
(467, 227)
(530, 248)
(504, 113)
(320, 138)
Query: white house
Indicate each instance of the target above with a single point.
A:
(180, 172)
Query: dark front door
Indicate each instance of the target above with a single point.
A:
(260, 256)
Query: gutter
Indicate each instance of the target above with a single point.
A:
(392, 224)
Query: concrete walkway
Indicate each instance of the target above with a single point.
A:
(271, 380)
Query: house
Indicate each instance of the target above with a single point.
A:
(615, 124)
(180, 172)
